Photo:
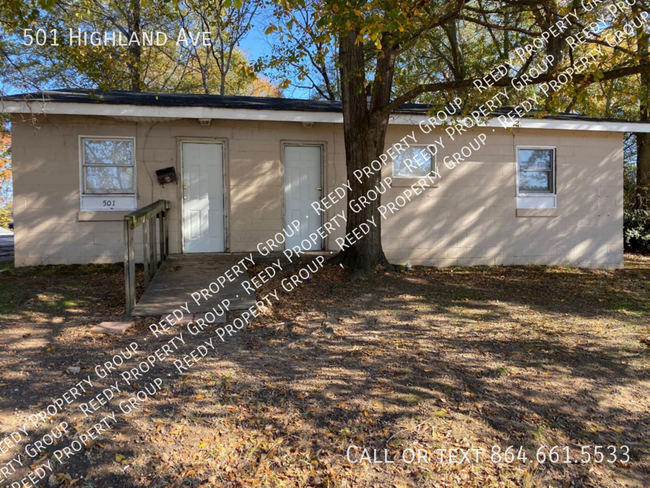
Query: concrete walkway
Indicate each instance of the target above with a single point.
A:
(183, 274)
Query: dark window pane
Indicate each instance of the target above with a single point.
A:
(114, 179)
(108, 152)
(534, 181)
(532, 159)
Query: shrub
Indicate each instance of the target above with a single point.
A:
(636, 230)
(5, 216)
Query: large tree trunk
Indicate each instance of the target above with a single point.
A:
(643, 170)
(643, 140)
(135, 50)
(364, 128)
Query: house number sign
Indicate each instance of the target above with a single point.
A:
(99, 203)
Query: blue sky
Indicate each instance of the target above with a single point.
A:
(257, 44)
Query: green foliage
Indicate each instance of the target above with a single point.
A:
(636, 222)
(454, 42)
(5, 216)
(629, 170)
(220, 67)
(636, 225)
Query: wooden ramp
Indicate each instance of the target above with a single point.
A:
(183, 274)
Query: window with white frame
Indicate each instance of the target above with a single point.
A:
(107, 173)
(416, 161)
(536, 177)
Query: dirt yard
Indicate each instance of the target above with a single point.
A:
(432, 373)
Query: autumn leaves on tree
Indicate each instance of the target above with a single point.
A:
(218, 67)
(372, 55)
(5, 177)
(391, 53)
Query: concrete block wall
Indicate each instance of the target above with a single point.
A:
(51, 229)
(48, 229)
(470, 218)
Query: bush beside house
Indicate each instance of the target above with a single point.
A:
(636, 222)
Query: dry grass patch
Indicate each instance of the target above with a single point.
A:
(462, 358)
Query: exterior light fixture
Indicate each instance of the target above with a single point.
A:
(205, 122)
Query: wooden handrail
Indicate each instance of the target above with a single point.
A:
(146, 215)
(139, 216)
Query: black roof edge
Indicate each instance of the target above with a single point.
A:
(120, 97)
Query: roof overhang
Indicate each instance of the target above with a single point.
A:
(545, 123)
(146, 111)
(165, 113)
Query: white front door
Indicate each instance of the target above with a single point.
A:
(302, 183)
(203, 202)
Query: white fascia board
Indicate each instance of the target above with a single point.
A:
(591, 125)
(587, 125)
(55, 108)
(92, 109)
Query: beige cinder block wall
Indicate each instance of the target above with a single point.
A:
(51, 229)
(469, 218)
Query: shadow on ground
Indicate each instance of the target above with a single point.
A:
(466, 358)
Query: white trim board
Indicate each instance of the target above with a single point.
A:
(146, 111)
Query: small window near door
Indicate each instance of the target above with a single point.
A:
(536, 177)
(415, 162)
(107, 173)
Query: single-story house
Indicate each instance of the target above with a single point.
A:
(548, 191)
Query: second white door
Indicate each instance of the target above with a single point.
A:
(302, 184)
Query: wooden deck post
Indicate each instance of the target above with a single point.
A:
(152, 247)
(129, 266)
(166, 226)
(161, 230)
(146, 251)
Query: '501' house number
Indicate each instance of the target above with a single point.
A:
(99, 203)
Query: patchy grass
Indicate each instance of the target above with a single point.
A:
(43, 290)
(461, 358)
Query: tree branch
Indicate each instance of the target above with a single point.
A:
(454, 85)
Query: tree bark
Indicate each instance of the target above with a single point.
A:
(364, 129)
(643, 171)
(135, 50)
(642, 200)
